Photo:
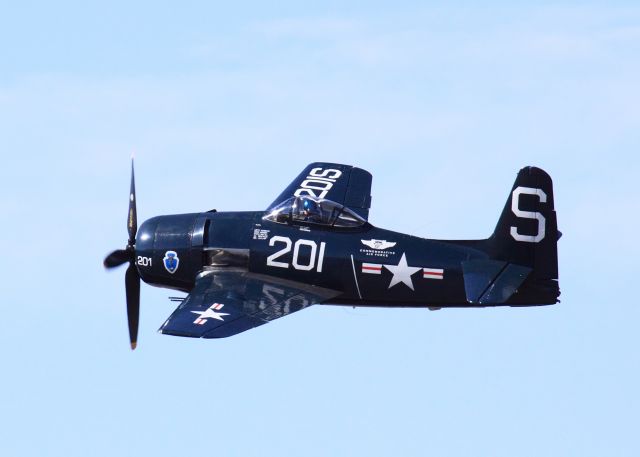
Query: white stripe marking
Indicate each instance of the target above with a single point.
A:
(355, 277)
(372, 268)
(433, 273)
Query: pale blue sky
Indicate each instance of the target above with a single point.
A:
(223, 106)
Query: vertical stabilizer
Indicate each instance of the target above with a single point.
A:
(527, 232)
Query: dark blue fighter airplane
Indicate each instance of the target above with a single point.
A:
(314, 245)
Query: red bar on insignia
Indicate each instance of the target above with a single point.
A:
(433, 273)
(218, 306)
(372, 268)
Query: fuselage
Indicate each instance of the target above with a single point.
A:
(369, 266)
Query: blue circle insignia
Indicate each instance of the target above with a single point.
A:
(171, 261)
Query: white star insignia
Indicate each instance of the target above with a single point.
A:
(402, 272)
(210, 313)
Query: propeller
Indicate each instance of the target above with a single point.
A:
(128, 254)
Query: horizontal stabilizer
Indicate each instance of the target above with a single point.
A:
(492, 281)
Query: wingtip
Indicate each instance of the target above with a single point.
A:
(134, 344)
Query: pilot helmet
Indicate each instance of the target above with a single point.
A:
(309, 205)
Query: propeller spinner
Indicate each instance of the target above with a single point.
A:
(132, 278)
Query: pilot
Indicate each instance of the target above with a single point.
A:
(310, 211)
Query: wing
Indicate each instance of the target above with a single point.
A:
(344, 184)
(224, 303)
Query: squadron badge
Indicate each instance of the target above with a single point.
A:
(171, 261)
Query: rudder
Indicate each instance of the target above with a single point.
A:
(523, 269)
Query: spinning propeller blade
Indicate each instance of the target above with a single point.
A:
(132, 220)
(117, 258)
(122, 256)
(132, 287)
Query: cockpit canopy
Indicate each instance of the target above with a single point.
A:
(308, 210)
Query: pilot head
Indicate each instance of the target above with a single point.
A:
(308, 205)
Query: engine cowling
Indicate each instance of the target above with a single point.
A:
(169, 250)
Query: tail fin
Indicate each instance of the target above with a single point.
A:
(523, 264)
(527, 232)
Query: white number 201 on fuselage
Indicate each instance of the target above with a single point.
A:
(316, 255)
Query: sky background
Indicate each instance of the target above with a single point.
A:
(224, 104)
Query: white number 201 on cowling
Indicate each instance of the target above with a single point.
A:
(515, 207)
(316, 256)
